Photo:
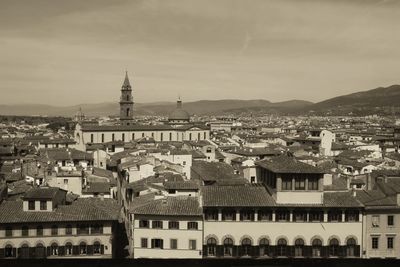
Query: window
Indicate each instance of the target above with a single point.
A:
(157, 224)
(282, 215)
(375, 242)
(65, 181)
(157, 243)
(184, 163)
(170, 136)
(68, 229)
(264, 247)
(281, 247)
(152, 135)
(82, 248)
(246, 215)
(173, 244)
(96, 248)
(133, 136)
(68, 249)
(390, 243)
(91, 138)
(211, 247)
(112, 137)
(39, 230)
(205, 135)
(198, 136)
(375, 220)
(390, 220)
(143, 242)
(246, 246)
(123, 137)
(31, 205)
(334, 216)
(43, 204)
(161, 137)
(102, 138)
(173, 225)
(143, 224)
(54, 230)
(190, 136)
(316, 247)
(316, 216)
(298, 247)
(83, 229)
(25, 231)
(351, 216)
(9, 231)
(228, 215)
(286, 184)
(333, 247)
(299, 216)
(228, 247)
(211, 215)
(54, 249)
(312, 184)
(192, 225)
(96, 229)
(350, 248)
(300, 183)
(9, 252)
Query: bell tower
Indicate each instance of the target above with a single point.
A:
(126, 103)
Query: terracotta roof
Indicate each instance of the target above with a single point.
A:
(83, 209)
(97, 187)
(286, 164)
(182, 206)
(105, 128)
(236, 196)
(341, 199)
(212, 171)
(182, 185)
(43, 193)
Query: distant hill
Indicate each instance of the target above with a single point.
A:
(379, 100)
(202, 107)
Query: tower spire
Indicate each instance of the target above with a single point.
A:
(126, 83)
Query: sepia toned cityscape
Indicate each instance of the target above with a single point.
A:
(135, 167)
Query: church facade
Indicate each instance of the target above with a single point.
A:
(178, 128)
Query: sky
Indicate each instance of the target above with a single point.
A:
(72, 52)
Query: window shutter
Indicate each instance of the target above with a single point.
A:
(48, 251)
(19, 252)
(14, 251)
(220, 250)
(256, 251)
(152, 243)
(205, 254)
(102, 249)
(235, 251)
(75, 250)
(90, 250)
(2, 251)
(325, 251)
(272, 251)
(31, 253)
(357, 251)
(161, 243)
(61, 250)
(307, 251)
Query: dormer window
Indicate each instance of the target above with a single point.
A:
(31, 205)
(43, 205)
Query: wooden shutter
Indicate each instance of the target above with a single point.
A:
(61, 250)
(19, 252)
(205, 252)
(48, 251)
(220, 251)
(75, 250)
(31, 253)
(2, 253)
(161, 243)
(235, 251)
(101, 249)
(14, 251)
(255, 251)
(272, 251)
(357, 251)
(90, 250)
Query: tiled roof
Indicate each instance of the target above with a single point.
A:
(104, 128)
(96, 187)
(341, 199)
(43, 193)
(286, 164)
(236, 196)
(181, 185)
(182, 206)
(83, 209)
(212, 171)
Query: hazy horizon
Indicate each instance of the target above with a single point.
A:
(76, 52)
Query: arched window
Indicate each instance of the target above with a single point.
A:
(9, 252)
(96, 248)
(281, 247)
(228, 247)
(264, 247)
(54, 249)
(68, 248)
(333, 247)
(246, 247)
(54, 230)
(350, 248)
(316, 248)
(24, 251)
(127, 112)
(40, 251)
(211, 246)
(298, 247)
(82, 248)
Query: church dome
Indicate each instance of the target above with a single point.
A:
(179, 114)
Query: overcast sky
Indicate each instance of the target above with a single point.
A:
(71, 52)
